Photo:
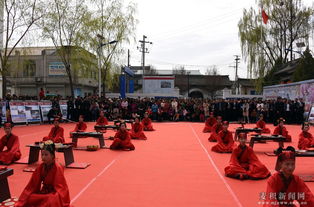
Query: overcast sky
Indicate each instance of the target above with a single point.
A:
(195, 33)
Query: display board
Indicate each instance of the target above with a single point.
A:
(63, 108)
(3, 108)
(17, 110)
(45, 106)
(32, 111)
(310, 118)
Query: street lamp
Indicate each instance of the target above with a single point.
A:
(99, 53)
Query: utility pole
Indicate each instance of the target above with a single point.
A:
(291, 28)
(143, 50)
(237, 59)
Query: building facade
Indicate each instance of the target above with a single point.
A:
(40, 67)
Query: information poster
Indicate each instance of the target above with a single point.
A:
(32, 111)
(17, 110)
(3, 111)
(63, 108)
(45, 107)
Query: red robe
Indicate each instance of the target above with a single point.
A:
(46, 188)
(294, 186)
(225, 142)
(244, 161)
(137, 131)
(305, 140)
(12, 153)
(283, 132)
(80, 127)
(210, 122)
(262, 125)
(122, 140)
(147, 124)
(102, 121)
(55, 135)
(215, 131)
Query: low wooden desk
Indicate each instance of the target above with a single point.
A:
(256, 138)
(66, 149)
(4, 185)
(245, 130)
(99, 135)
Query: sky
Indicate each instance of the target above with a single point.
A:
(195, 33)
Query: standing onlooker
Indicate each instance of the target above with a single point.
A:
(41, 94)
(245, 111)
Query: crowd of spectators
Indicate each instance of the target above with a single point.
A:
(178, 109)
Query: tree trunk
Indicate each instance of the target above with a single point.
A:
(68, 68)
(4, 85)
(104, 82)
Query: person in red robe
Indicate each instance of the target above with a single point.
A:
(147, 123)
(284, 186)
(137, 130)
(215, 130)
(262, 125)
(122, 139)
(101, 121)
(244, 164)
(281, 130)
(12, 145)
(56, 133)
(210, 122)
(305, 138)
(47, 186)
(225, 140)
(80, 126)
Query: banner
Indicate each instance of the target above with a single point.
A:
(17, 110)
(131, 86)
(122, 86)
(63, 108)
(32, 111)
(45, 106)
(292, 91)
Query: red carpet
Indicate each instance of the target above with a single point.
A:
(174, 167)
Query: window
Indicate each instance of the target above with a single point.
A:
(29, 68)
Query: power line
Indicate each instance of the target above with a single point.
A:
(199, 24)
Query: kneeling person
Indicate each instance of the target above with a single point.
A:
(56, 133)
(225, 140)
(47, 186)
(80, 126)
(284, 182)
(122, 139)
(137, 130)
(244, 164)
(12, 145)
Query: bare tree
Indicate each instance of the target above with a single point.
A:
(179, 70)
(18, 17)
(152, 71)
(212, 70)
